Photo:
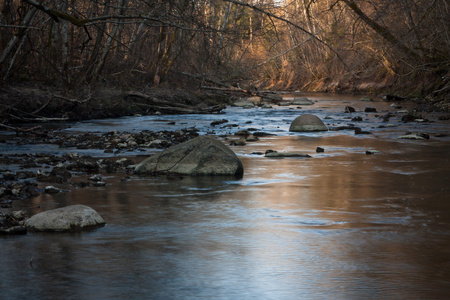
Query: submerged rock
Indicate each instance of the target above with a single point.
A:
(52, 190)
(307, 122)
(203, 155)
(366, 98)
(414, 136)
(274, 154)
(70, 218)
(349, 109)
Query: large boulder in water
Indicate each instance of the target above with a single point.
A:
(203, 155)
(74, 217)
(307, 122)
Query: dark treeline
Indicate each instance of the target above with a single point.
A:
(334, 45)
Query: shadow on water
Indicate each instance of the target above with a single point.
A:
(338, 225)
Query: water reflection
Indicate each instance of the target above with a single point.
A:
(338, 225)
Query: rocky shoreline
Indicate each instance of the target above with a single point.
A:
(29, 175)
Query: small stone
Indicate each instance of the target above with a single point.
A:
(95, 178)
(257, 153)
(19, 215)
(9, 176)
(360, 131)
(100, 183)
(410, 117)
(252, 138)
(238, 143)
(320, 150)
(349, 109)
(51, 190)
(370, 109)
(414, 136)
(262, 134)
(369, 152)
(124, 162)
(421, 134)
(218, 122)
(357, 119)
(243, 132)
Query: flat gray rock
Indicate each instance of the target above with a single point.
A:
(302, 101)
(69, 218)
(286, 154)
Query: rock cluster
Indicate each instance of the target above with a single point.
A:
(113, 140)
(12, 223)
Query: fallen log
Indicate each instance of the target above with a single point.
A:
(18, 130)
(153, 104)
(136, 96)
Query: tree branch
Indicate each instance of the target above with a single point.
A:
(271, 15)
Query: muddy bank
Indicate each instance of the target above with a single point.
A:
(36, 103)
(24, 104)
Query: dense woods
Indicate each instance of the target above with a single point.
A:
(332, 45)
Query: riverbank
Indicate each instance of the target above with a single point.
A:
(36, 103)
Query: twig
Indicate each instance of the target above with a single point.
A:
(72, 100)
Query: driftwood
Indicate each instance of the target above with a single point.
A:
(18, 130)
(168, 107)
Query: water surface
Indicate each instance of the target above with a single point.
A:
(338, 225)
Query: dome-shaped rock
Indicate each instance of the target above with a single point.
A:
(307, 122)
(203, 155)
(67, 218)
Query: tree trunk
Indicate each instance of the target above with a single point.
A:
(381, 30)
(20, 34)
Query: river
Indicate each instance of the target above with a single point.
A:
(338, 225)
